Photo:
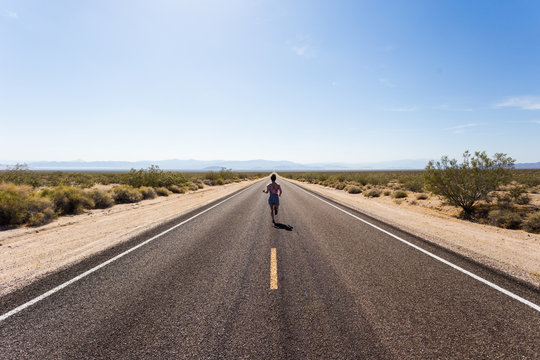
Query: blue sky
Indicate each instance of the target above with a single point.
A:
(306, 81)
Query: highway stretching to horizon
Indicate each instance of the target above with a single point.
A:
(325, 282)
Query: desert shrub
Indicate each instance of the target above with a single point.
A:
(102, 199)
(340, 185)
(13, 204)
(40, 211)
(504, 200)
(162, 191)
(422, 196)
(519, 195)
(20, 175)
(414, 183)
(387, 192)
(176, 189)
(372, 193)
(399, 194)
(353, 189)
(200, 184)
(125, 194)
(464, 184)
(21, 205)
(69, 200)
(153, 177)
(193, 187)
(219, 181)
(504, 219)
(148, 192)
(414, 202)
(532, 223)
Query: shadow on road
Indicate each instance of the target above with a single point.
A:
(283, 226)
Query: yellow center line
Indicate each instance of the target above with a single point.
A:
(273, 269)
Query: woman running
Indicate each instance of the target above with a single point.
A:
(275, 192)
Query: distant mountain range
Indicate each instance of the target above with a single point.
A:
(249, 165)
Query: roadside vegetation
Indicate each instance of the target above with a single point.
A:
(36, 198)
(478, 188)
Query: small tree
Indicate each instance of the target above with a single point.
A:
(464, 184)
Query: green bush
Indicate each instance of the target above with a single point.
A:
(399, 194)
(504, 219)
(40, 211)
(125, 194)
(387, 192)
(464, 184)
(102, 199)
(532, 223)
(148, 192)
(372, 193)
(153, 177)
(422, 197)
(193, 187)
(354, 189)
(20, 205)
(69, 200)
(414, 183)
(198, 182)
(177, 189)
(340, 185)
(161, 191)
(20, 175)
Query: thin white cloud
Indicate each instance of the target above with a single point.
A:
(404, 109)
(460, 129)
(387, 83)
(523, 102)
(12, 15)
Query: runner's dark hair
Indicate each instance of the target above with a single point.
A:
(273, 177)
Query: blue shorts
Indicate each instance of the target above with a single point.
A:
(273, 200)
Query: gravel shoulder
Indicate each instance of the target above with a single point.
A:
(514, 252)
(30, 253)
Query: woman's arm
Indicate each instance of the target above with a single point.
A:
(279, 187)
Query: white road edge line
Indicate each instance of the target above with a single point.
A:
(474, 276)
(88, 272)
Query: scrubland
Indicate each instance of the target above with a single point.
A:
(35, 198)
(515, 205)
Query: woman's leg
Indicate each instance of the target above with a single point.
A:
(272, 212)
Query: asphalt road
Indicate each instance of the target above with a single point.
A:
(345, 290)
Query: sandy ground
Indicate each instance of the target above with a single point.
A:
(27, 254)
(514, 252)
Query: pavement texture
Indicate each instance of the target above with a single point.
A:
(345, 291)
